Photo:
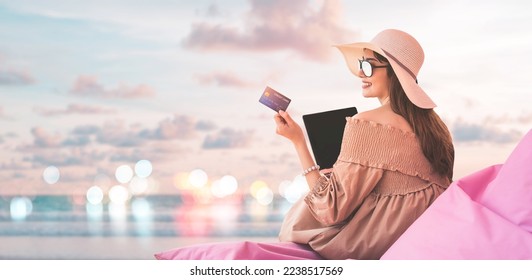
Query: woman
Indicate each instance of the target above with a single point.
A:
(394, 162)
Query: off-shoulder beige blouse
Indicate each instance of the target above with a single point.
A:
(379, 185)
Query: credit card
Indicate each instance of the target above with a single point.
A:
(274, 99)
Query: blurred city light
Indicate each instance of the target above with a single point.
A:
(265, 196)
(297, 189)
(141, 209)
(51, 175)
(283, 187)
(138, 185)
(143, 168)
(256, 186)
(94, 195)
(198, 178)
(123, 173)
(225, 186)
(20, 208)
(181, 181)
(119, 194)
(94, 211)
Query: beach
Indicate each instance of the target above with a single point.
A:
(99, 248)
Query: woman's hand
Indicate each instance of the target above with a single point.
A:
(288, 128)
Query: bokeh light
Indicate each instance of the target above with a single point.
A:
(141, 209)
(264, 196)
(142, 212)
(225, 216)
(143, 168)
(198, 178)
(118, 194)
(298, 188)
(138, 185)
(261, 192)
(256, 186)
(181, 181)
(51, 175)
(20, 208)
(124, 173)
(226, 186)
(283, 187)
(94, 195)
(94, 212)
(118, 214)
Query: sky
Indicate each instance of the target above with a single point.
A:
(88, 87)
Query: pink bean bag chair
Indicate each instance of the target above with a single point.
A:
(241, 250)
(486, 215)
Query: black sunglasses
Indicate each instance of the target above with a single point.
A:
(367, 67)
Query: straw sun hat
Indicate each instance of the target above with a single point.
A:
(405, 56)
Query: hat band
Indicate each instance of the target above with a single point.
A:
(400, 64)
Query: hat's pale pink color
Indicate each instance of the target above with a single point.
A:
(405, 56)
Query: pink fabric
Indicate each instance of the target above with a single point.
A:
(486, 215)
(241, 250)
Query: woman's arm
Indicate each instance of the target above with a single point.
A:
(292, 131)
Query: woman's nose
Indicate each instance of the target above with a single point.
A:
(359, 73)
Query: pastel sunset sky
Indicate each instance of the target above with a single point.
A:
(88, 86)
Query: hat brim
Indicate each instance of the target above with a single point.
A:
(412, 89)
(355, 51)
(414, 92)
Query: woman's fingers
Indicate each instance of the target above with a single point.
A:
(287, 118)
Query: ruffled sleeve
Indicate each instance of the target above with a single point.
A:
(334, 199)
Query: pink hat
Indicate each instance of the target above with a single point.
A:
(405, 56)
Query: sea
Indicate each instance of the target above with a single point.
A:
(69, 227)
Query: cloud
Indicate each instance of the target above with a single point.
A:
(117, 134)
(77, 141)
(72, 109)
(89, 86)
(86, 130)
(176, 127)
(154, 151)
(205, 125)
(68, 157)
(466, 132)
(117, 140)
(277, 25)
(43, 139)
(55, 159)
(15, 77)
(524, 118)
(5, 136)
(228, 138)
(222, 79)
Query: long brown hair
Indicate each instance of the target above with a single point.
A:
(432, 133)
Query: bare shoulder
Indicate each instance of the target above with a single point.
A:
(370, 115)
(384, 115)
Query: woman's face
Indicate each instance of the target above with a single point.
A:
(378, 84)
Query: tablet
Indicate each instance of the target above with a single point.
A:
(325, 131)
